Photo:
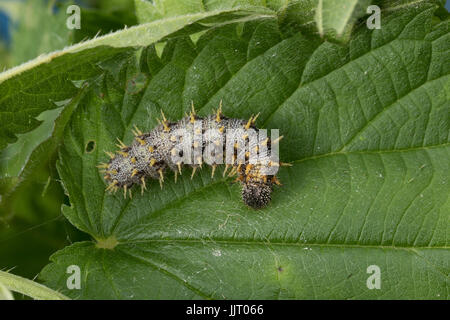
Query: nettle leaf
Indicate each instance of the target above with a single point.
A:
(366, 127)
(31, 88)
(19, 160)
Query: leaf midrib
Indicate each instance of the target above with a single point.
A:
(280, 243)
(373, 152)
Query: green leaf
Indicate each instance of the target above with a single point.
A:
(15, 156)
(366, 127)
(29, 89)
(20, 160)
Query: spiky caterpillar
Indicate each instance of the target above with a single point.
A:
(150, 154)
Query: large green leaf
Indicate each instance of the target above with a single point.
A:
(366, 127)
(29, 89)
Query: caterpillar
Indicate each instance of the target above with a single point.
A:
(193, 141)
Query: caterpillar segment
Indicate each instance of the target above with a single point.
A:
(150, 154)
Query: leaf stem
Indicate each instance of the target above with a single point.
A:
(29, 288)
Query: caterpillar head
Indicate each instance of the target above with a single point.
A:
(256, 194)
(256, 185)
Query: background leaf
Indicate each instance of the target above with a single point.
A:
(336, 18)
(105, 16)
(293, 14)
(19, 160)
(366, 126)
(34, 32)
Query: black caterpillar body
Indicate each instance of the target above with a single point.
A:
(150, 154)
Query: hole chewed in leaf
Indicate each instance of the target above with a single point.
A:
(90, 146)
